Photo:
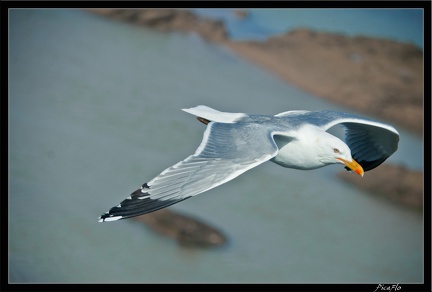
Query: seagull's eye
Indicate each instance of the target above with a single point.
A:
(335, 150)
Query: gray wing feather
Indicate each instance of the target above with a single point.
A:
(227, 150)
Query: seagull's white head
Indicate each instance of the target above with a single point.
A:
(333, 150)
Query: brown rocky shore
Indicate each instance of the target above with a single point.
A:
(379, 77)
(374, 76)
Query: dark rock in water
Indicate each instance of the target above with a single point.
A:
(175, 20)
(185, 230)
(392, 182)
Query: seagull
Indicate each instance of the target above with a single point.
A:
(236, 142)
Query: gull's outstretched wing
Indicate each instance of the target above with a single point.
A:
(226, 151)
(371, 142)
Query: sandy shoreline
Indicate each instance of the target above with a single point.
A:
(378, 77)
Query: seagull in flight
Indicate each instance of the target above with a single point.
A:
(236, 142)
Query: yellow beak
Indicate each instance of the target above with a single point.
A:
(353, 165)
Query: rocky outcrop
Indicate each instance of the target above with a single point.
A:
(178, 20)
(374, 76)
(187, 231)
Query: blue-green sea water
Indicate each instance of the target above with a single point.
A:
(94, 112)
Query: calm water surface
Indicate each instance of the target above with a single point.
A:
(94, 112)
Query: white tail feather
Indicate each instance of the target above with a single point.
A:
(214, 115)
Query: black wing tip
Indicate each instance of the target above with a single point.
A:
(116, 212)
(138, 203)
(107, 217)
(369, 165)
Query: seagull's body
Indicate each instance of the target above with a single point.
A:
(236, 142)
